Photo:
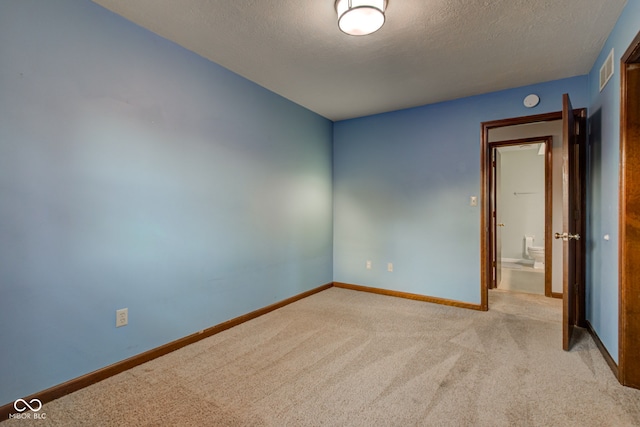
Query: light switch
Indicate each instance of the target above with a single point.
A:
(473, 201)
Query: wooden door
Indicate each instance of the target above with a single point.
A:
(571, 213)
(629, 255)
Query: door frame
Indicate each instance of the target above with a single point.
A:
(548, 200)
(629, 239)
(485, 205)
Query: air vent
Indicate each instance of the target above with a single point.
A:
(606, 71)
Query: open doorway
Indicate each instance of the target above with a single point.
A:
(571, 235)
(521, 200)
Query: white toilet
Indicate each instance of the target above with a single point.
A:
(537, 253)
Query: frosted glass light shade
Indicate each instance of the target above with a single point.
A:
(360, 17)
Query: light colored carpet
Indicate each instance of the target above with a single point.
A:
(347, 358)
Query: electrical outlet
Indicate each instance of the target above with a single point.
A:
(390, 267)
(122, 317)
(368, 265)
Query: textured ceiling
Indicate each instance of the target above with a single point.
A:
(428, 50)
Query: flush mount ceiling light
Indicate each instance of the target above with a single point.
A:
(360, 17)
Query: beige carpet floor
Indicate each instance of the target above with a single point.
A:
(347, 358)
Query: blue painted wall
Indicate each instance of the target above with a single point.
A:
(402, 182)
(134, 173)
(603, 202)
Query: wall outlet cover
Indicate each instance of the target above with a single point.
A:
(122, 317)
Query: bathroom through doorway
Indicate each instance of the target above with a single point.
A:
(521, 182)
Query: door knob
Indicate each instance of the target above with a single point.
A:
(566, 236)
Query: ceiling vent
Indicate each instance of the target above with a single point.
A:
(606, 71)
